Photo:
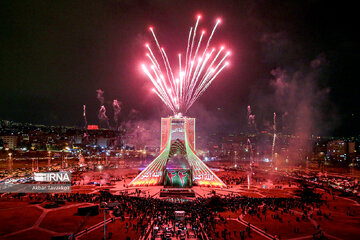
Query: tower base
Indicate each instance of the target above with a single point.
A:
(177, 164)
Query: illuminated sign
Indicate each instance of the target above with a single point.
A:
(151, 175)
(178, 178)
(177, 130)
(93, 127)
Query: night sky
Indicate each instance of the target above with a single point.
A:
(54, 55)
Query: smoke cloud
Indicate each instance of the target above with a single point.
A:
(141, 133)
(104, 120)
(100, 96)
(117, 109)
(251, 120)
(295, 92)
(300, 100)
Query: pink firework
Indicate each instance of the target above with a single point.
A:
(202, 64)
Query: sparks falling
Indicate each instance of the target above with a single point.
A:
(180, 88)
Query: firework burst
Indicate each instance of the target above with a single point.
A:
(196, 71)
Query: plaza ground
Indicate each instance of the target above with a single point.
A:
(24, 220)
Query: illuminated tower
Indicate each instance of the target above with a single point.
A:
(177, 164)
(179, 88)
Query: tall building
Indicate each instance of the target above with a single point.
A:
(10, 141)
(339, 150)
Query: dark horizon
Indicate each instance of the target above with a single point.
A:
(294, 58)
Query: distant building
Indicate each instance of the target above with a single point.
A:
(351, 147)
(339, 150)
(102, 142)
(10, 141)
(235, 146)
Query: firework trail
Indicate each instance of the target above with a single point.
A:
(251, 163)
(180, 88)
(84, 114)
(274, 138)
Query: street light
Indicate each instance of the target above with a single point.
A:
(104, 206)
(10, 161)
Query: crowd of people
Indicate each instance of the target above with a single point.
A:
(347, 185)
(231, 178)
(201, 215)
